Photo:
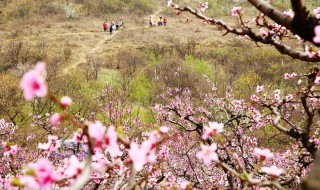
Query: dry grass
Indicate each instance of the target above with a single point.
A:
(86, 37)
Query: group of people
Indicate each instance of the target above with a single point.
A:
(112, 26)
(161, 21)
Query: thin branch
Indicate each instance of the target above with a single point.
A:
(271, 40)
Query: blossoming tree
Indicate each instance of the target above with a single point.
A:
(271, 26)
(206, 143)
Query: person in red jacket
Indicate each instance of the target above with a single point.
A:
(165, 21)
(105, 26)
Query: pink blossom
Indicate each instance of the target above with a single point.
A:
(53, 144)
(55, 119)
(29, 182)
(289, 13)
(274, 171)
(316, 39)
(214, 128)
(138, 156)
(99, 162)
(111, 141)
(317, 12)
(143, 154)
(235, 11)
(317, 80)
(254, 98)
(164, 151)
(309, 50)
(9, 149)
(65, 101)
(74, 167)
(44, 172)
(286, 76)
(289, 97)
(184, 185)
(300, 81)
(97, 131)
(44, 146)
(263, 32)
(208, 153)
(164, 129)
(203, 6)
(33, 82)
(259, 89)
(263, 153)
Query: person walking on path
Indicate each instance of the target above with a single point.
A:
(165, 21)
(111, 28)
(150, 22)
(117, 25)
(105, 26)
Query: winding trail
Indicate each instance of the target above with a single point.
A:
(100, 42)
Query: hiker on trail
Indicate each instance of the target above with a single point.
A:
(159, 21)
(165, 21)
(111, 27)
(117, 25)
(150, 22)
(121, 24)
(105, 26)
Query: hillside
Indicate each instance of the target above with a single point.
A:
(183, 105)
(78, 48)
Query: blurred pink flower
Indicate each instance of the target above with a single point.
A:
(111, 141)
(263, 153)
(203, 6)
(289, 13)
(97, 131)
(9, 150)
(208, 153)
(33, 82)
(263, 32)
(184, 185)
(274, 171)
(65, 101)
(138, 155)
(55, 119)
(259, 89)
(317, 80)
(44, 172)
(235, 11)
(316, 39)
(163, 129)
(214, 128)
(74, 166)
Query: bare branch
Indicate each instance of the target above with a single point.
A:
(271, 40)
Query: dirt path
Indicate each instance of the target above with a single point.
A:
(100, 42)
(81, 57)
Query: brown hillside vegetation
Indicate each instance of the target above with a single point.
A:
(79, 52)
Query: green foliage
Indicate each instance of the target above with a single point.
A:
(247, 82)
(144, 114)
(143, 90)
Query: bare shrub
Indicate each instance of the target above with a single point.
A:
(11, 55)
(41, 50)
(91, 67)
(67, 52)
(128, 63)
(70, 10)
